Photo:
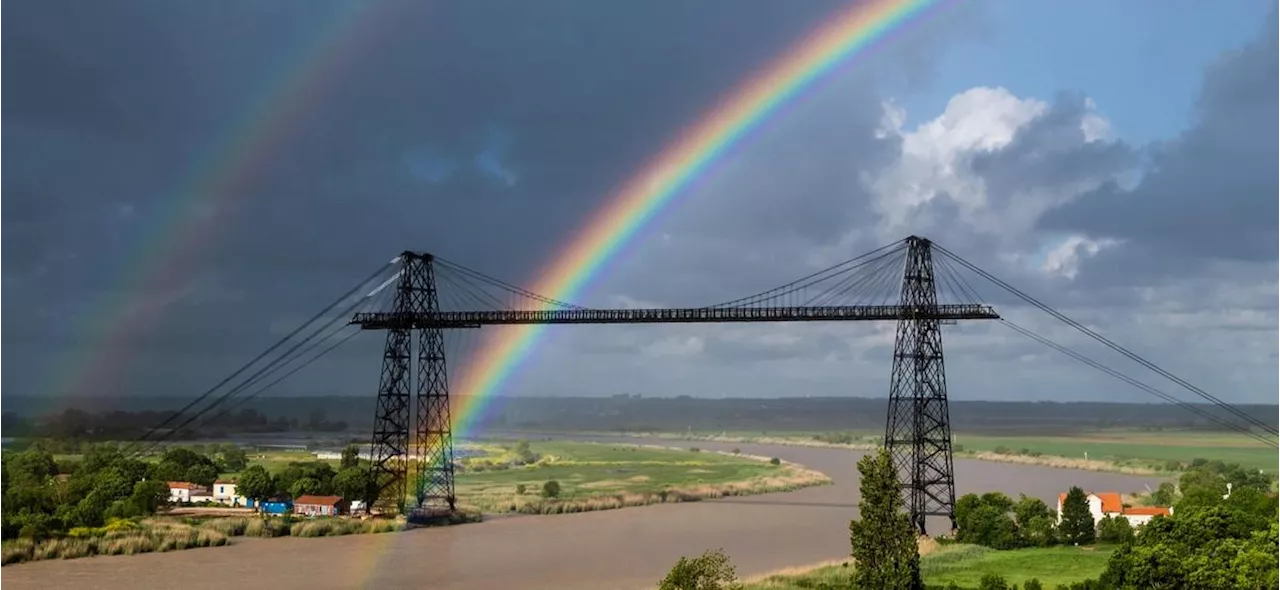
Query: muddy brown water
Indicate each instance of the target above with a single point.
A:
(628, 548)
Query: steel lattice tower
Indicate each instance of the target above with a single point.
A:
(433, 430)
(433, 439)
(918, 430)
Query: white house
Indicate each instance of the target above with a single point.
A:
(180, 491)
(1103, 504)
(224, 492)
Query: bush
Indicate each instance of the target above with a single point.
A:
(709, 571)
(992, 582)
(1114, 530)
(775, 461)
(737, 451)
(695, 450)
(1032, 584)
(521, 489)
(551, 489)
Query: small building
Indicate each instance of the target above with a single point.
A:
(200, 494)
(180, 491)
(319, 505)
(224, 492)
(1140, 515)
(277, 505)
(1104, 504)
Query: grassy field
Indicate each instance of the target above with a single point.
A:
(966, 564)
(1121, 449)
(596, 476)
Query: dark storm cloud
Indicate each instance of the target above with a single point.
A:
(1210, 193)
(483, 131)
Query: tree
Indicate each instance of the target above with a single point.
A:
(551, 489)
(148, 496)
(351, 482)
(1039, 532)
(1077, 525)
(1032, 584)
(350, 457)
(1029, 508)
(1215, 547)
(304, 486)
(1115, 530)
(709, 571)
(1165, 495)
(256, 484)
(233, 457)
(883, 540)
(202, 474)
(987, 520)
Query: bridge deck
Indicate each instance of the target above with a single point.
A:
(704, 315)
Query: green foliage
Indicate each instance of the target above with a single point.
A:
(775, 461)
(229, 457)
(710, 571)
(103, 484)
(551, 489)
(521, 489)
(1219, 546)
(1040, 531)
(1032, 584)
(992, 582)
(1165, 495)
(350, 457)
(1077, 526)
(524, 455)
(1114, 530)
(988, 520)
(883, 540)
(320, 472)
(304, 486)
(351, 482)
(256, 484)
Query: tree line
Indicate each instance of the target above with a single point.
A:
(1218, 536)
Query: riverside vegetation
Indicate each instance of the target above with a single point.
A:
(1217, 537)
(105, 502)
(592, 476)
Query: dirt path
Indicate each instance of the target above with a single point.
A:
(626, 549)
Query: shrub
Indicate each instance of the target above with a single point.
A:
(1001, 450)
(737, 451)
(695, 450)
(521, 489)
(1032, 584)
(1114, 530)
(551, 489)
(709, 571)
(992, 582)
(775, 461)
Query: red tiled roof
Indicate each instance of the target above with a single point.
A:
(1147, 511)
(181, 485)
(225, 481)
(1110, 501)
(318, 500)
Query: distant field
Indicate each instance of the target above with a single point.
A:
(966, 564)
(594, 476)
(1120, 446)
(588, 469)
(1134, 448)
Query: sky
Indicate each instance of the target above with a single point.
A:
(1112, 159)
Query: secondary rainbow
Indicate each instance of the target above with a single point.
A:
(656, 187)
(156, 269)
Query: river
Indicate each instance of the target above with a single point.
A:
(627, 549)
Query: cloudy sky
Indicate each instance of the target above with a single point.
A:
(185, 181)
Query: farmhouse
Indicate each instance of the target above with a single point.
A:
(1103, 504)
(185, 491)
(319, 505)
(224, 492)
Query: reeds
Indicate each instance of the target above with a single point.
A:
(129, 537)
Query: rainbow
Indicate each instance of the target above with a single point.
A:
(659, 183)
(156, 269)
